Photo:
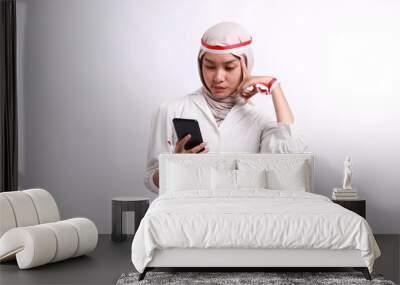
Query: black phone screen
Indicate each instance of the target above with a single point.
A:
(184, 127)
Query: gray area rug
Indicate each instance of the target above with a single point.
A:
(273, 278)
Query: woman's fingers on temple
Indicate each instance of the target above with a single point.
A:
(247, 87)
(244, 84)
(253, 92)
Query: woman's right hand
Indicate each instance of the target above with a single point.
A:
(180, 146)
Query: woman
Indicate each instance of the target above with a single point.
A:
(229, 122)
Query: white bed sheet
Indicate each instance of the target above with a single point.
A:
(250, 218)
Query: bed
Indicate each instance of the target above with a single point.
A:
(246, 210)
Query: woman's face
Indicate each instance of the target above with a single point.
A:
(222, 73)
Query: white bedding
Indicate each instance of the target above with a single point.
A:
(250, 218)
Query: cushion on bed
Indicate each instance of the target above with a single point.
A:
(223, 179)
(251, 178)
(281, 174)
(182, 177)
(215, 172)
(287, 179)
(187, 174)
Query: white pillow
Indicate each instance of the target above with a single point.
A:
(229, 179)
(282, 174)
(251, 178)
(223, 179)
(188, 177)
(293, 179)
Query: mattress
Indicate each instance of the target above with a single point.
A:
(251, 219)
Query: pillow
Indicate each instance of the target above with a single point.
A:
(183, 177)
(223, 179)
(288, 179)
(229, 179)
(282, 173)
(251, 178)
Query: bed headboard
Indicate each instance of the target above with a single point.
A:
(237, 161)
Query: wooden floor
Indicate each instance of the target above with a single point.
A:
(111, 259)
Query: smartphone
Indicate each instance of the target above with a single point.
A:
(184, 127)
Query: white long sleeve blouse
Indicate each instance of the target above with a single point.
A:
(245, 129)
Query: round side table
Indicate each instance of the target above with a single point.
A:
(139, 205)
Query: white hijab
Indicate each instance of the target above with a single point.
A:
(223, 38)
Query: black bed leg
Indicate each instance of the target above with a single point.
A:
(364, 271)
(142, 275)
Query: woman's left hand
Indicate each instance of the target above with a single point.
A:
(250, 81)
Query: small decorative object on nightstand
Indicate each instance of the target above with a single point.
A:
(357, 206)
(122, 204)
(346, 192)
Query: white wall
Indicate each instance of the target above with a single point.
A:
(92, 72)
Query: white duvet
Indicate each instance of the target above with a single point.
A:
(251, 218)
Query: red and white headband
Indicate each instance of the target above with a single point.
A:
(234, 48)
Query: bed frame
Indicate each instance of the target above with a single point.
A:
(248, 259)
(237, 259)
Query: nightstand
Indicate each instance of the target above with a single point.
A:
(357, 206)
(139, 205)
